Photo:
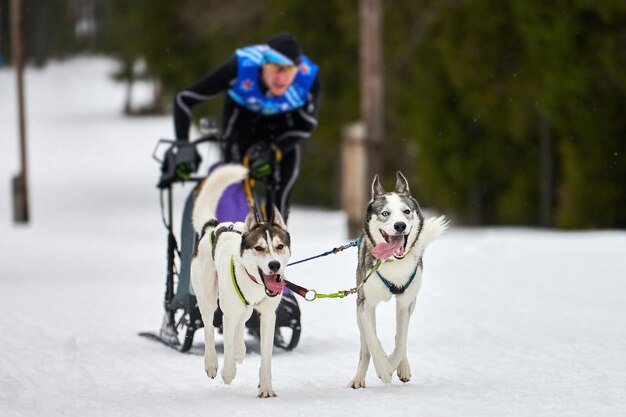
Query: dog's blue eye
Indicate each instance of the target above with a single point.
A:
(384, 213)
(407, 211)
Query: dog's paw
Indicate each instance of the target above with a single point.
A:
(210, 367)
(211, 371)
(404, 371)
(266, 393)
(384, 371)
(228, 374)
(385, 377)
(357, 383)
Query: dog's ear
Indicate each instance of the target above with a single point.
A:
(402, 185)
(377, 189)
(252, 219)
(277, 218)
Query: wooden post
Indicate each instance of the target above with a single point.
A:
(20, 183)
(372, 111)
(354, 182)
(363, 142)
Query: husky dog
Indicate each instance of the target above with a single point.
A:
(396, 233)
(243, 263)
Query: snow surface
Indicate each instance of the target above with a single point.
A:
(509, 322)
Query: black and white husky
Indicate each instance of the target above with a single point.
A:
(243, 263)
(395, 232)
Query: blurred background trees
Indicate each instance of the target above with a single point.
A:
(506, 113)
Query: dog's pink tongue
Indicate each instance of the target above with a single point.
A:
(272, 285)
(386, 250)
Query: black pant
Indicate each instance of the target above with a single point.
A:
(286, 171)
(279, 192)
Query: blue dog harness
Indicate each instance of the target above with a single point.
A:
(392, 287)
(247, 93)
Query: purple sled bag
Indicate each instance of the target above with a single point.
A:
(233, 206)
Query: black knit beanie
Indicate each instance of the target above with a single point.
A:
(286, 44)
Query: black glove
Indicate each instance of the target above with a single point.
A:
(187, 161)
(183, 171)
(261, 157)
(181, 160)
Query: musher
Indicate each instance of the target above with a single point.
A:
(270, 106)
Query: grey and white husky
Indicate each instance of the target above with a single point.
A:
(243, 263)
(397, 233)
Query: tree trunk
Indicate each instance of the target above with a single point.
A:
(20, 182)
(546, 173)
(372, 111)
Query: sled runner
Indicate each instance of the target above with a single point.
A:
(182, 316)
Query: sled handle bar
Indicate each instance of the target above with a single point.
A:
(178, 142)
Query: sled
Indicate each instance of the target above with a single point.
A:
(182, 317)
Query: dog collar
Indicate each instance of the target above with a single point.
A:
(392, 287)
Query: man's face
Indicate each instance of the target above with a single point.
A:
(278, 77)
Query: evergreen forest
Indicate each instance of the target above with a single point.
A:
(498, 112)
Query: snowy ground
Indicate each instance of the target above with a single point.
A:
(509, 322)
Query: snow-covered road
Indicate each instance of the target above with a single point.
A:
(509, 322)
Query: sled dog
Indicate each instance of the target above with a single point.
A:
(243, 263)
(395, 232)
